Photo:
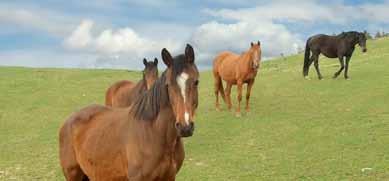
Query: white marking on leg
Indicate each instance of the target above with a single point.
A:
(181, 81)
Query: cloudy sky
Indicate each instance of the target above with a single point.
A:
(119, 33)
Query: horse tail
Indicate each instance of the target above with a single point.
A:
(218, 81)
(306, 58)
(221, 88)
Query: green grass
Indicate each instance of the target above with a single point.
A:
(297, 129)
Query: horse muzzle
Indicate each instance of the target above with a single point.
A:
(364, 50)
(185, 130)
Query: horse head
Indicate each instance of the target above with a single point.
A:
(256, 54)
(182, 79)
(362, 41)
(150, 73)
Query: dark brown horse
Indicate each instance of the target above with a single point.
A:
(341, 46)
(236, 70)
(122, 93)
(141, 142)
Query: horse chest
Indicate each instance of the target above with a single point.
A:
(160, 169)
(250, 75)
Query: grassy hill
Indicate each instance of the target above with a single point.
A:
(297, 129)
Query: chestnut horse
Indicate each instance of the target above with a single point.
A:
(122, 93)
(236, 70)
(140, 142)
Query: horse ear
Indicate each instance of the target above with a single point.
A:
(259, 43)
(252, 44)
(166, 57)
(155, 61)
(144, 61)
(189, 53)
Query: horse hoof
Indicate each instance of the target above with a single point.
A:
(238, 115)
(307, 78)
(218, 109)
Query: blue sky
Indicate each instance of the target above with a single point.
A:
(119, 33)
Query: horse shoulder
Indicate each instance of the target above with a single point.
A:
(98, 139)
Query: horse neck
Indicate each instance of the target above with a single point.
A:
(353, 40)
(138, 90)
(143, 83)
(247, 59)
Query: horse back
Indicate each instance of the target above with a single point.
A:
(325, 44)
(225, 65)
(118, 94)
(83, 117)
(224, 57)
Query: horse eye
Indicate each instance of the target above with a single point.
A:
(196, 83)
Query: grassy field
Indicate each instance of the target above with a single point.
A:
(297, 130)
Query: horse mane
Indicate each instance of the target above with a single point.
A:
(148, 105)
(349, 33)
(248, 53)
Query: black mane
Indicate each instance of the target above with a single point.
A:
(148, 105)
(349, 34)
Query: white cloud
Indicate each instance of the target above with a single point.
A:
(81, 36)
(123, 41)
(307, 11)
(213, 37)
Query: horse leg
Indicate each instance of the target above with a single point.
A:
(248, 92)
(217, 87)
(316, 63)
(239, 85)
(179, 155)
(341, 67)
(346, 67)
(228, 95)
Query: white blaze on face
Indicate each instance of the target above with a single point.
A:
(181, 81)
(256, 58)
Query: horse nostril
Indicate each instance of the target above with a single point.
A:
(177, 125)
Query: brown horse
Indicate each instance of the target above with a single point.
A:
(122, 93)
(141, 142)
(236, 70)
